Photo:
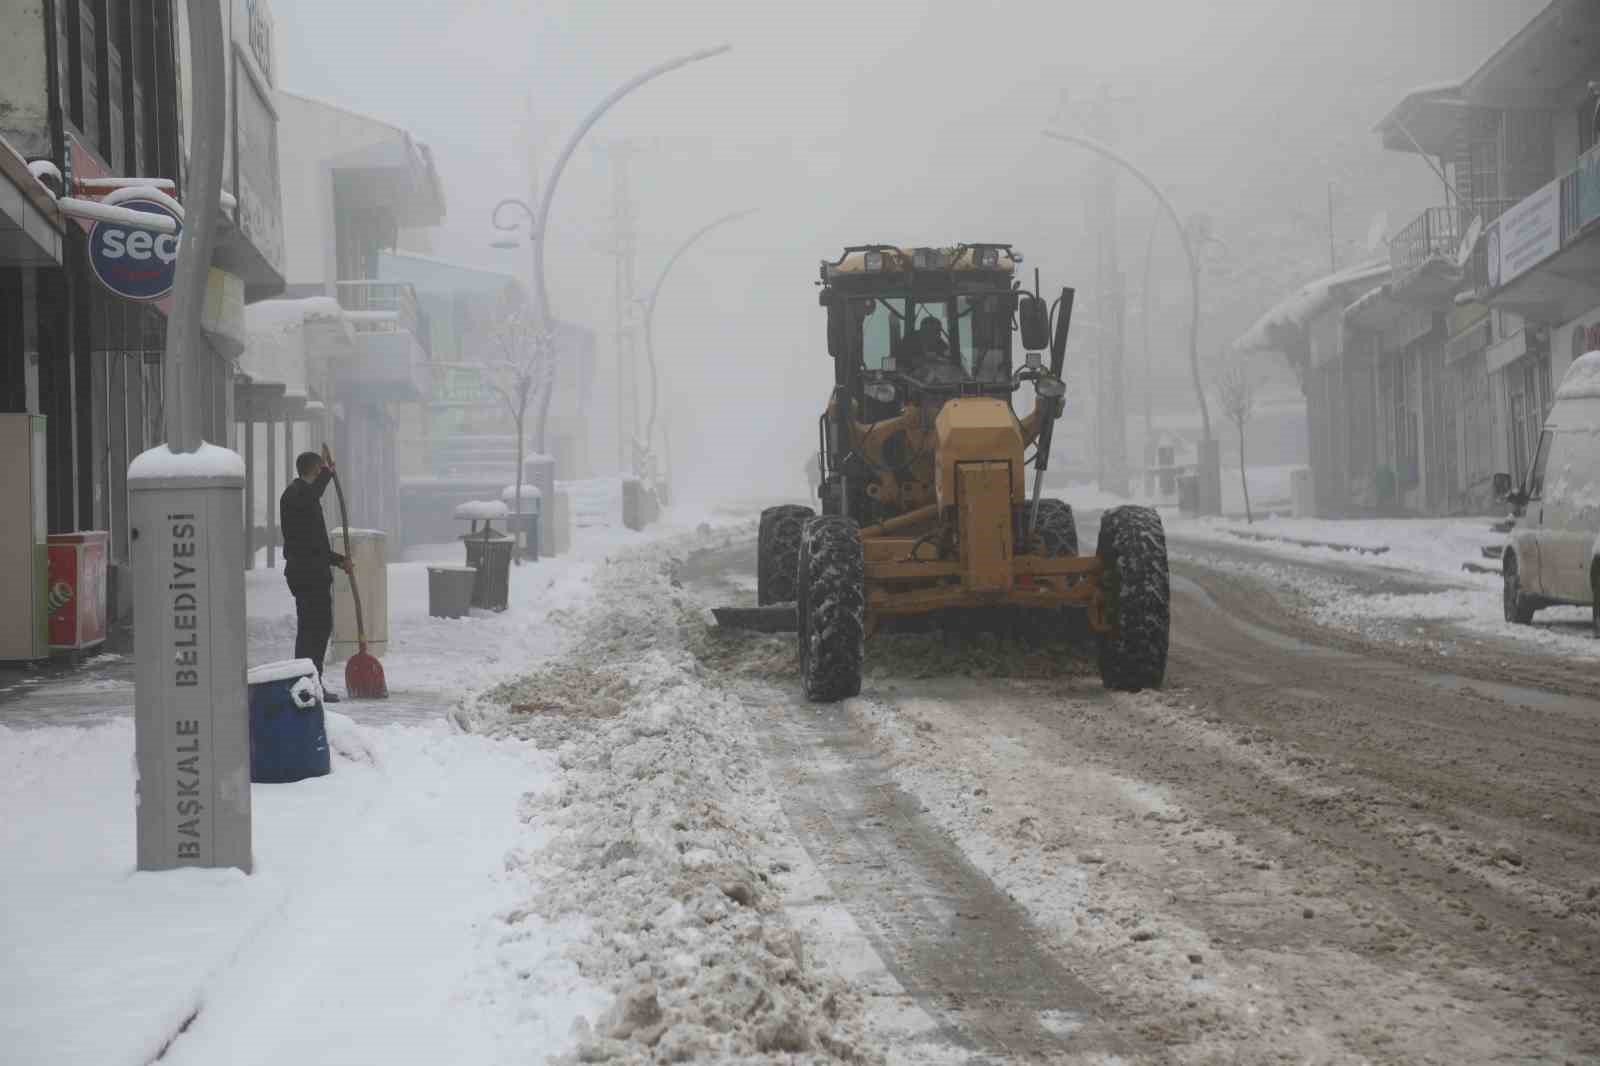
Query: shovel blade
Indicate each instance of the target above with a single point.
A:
(774, 618)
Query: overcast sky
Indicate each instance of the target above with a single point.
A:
(846, 122)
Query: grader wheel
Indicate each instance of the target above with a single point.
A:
(1056, 529)
(1056, 537)
(832, 609)
(778, 552)
(1133, 548)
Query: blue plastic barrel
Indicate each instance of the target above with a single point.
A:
(288, 738)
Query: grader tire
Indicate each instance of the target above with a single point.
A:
(1057, 529)
(1057, 538)
(831, 609)
(778, 552)
(1137, 597)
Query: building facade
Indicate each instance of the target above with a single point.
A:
(1436, 376)
(342, 359)
(94, 91)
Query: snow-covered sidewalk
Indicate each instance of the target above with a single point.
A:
(429, 900)
(364, 934)
(1427, 556)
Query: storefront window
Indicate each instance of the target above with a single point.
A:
(89, 68)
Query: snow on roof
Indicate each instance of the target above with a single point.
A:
(272, 315)
(275, 344)
(1582, 380)
(1433, 88)
(328, 105)
(161, 462)
(1295, 312)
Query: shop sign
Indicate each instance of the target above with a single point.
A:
(1589, 187)
(253, 131)
(135, 263)
(1589, 336)
(1526, 235)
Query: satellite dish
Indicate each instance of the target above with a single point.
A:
(1468, 239)
(1376, 231)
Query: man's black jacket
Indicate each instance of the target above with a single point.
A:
(307, 556)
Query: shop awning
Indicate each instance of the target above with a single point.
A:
(30, 223)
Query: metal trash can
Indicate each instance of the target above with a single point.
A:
(1189, 494)
(450, 590)
(491, 557)
(1301, 496)
(639, 505)
(524, 521)
(288, 736)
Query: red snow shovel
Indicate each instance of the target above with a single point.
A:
(363, 673)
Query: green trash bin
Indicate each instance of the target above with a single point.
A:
(1189, 494)
(450, 590)
(524, 520)
(490, 555)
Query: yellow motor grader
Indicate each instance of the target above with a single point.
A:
(923, 490)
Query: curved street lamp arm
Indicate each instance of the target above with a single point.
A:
(540, 290)
(650, 313)
(512, 201)
(1188, 251)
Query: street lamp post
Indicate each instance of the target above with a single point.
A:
(539, 220)
(650, 314)
(191, 729)
(1210, 454)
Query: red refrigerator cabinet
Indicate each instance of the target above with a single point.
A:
(77, 589)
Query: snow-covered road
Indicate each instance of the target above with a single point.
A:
(1315, 845)
(631, 841)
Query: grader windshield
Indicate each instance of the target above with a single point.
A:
(944, 339)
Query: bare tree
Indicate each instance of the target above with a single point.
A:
(1235, 387)
(523, 368)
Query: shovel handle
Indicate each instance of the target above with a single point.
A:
(344, 519)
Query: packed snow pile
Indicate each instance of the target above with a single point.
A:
(1582, 380)
(664, 840)
(1291, 315)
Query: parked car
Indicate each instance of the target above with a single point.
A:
(1553, 556)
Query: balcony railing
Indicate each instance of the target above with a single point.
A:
(382, 307)
(1437, 233)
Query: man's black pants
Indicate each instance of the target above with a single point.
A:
(313, 613)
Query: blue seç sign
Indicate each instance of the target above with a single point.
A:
(135, 263)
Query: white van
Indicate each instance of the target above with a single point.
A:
(1554, 552)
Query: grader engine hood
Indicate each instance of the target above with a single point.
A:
(977, 430)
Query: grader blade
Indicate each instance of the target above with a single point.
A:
(773, 618)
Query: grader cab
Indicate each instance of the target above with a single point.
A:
(924, 493)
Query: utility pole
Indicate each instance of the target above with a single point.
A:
(191, 719)
(1095, 114)
(1333, 258)
(623, 247)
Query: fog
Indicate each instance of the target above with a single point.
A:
(912, 123)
